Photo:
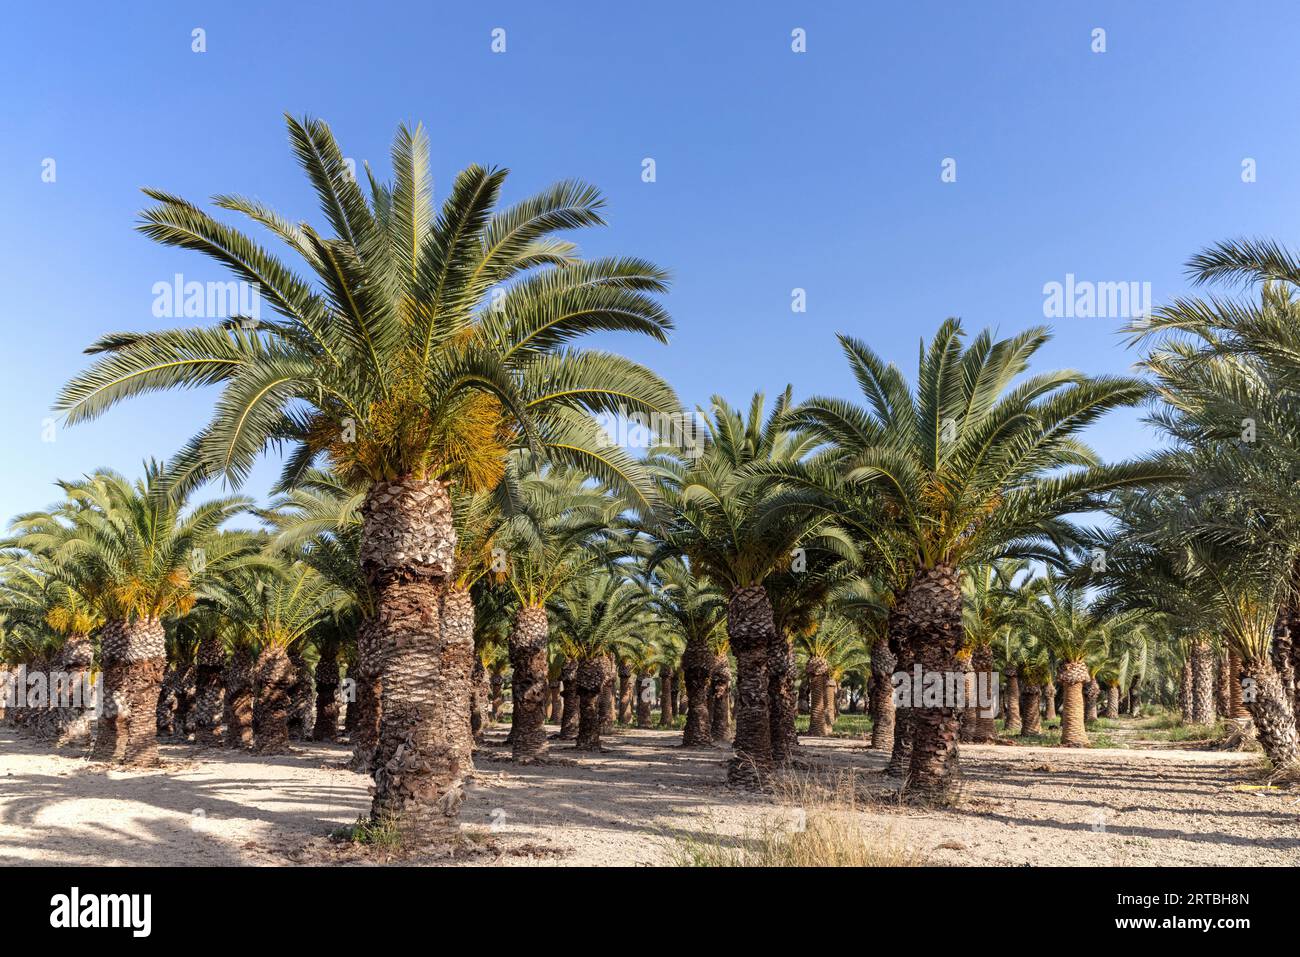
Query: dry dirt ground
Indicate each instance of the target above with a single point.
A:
(639, 801)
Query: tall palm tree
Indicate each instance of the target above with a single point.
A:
(737, 526)
(138, 555)
(595, 614)
(692, 609)
(969, 466)
(1076, 636)
(425, 345)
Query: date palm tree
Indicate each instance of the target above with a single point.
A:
(693, 609)
(138, 555)
(423, 347)
(280, 609)
(595, 614)
(737, 525)
(972, 464)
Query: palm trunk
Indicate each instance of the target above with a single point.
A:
(930, 612)
(555, 704)
(1049, 701)
(626, 693)
(273, 700)
(986, 723)
(1202, 683)
(1185, 691)
(70, 701)
(426, 629)
(303, 697)
(591, 680)
(1273, 710)
(480, 697)
(883, 663)
(966, 716)
(239, 699)
(1012, 724)
(326, 725)
(1073, 676)
(720, 709)
(369, 693)
(607, 703)
(1236, 710)
(1223, 687)
(110, 729)
(569, 696)
(900, 757)
(1031, 715)
(752, 631)
(1091, 692)
(815, 674)
(1112, 701)
(783, 706)
(210, 696)
(666, 715)
(528, 640)
(138, 649)
(697, 662)
(645, 684)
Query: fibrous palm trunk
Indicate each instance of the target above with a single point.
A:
(555, 703)
(645, 686)
(815, 673)
(752, 631)
(73, 696)
(697, 663)
(528, 640)
(1031, 715)
(1112, 701)
(1223, 687)
(326, 725)
(720, 708)
(986, 726)
(302, 697)
(967, 716)
(239, 698)
(138, 649)
(930, 613)
(110, 728)
(900, 756)
(1091, 693)
(369, 693)
(425, 746)
(591, 680)
(1185, 692)
(480, 695)
(570, 707)
(1273, 710)
(210, 692)
(274, 681)
(1236, 707)
(1012, 724)
(883, 664)
(783, 704)
(1049, 701)
(666, 714)
(1072, 677)
(626, 692)
(1203, 666)
(607, 697)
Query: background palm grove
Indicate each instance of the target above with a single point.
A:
(497, 530)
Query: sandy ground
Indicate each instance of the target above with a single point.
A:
(636, 803)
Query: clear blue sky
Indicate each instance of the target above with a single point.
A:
(775, 170)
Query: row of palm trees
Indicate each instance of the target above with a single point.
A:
(448, 487)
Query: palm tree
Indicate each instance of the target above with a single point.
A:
(551, 536)
(595, 614)
(970, 467)
(831, 649)
(693, 610)
(992, 606)
(135, 553)
(737, 526)
(1075, 635)
(280, 610)
(425, 348)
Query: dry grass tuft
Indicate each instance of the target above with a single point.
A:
(824, 830)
